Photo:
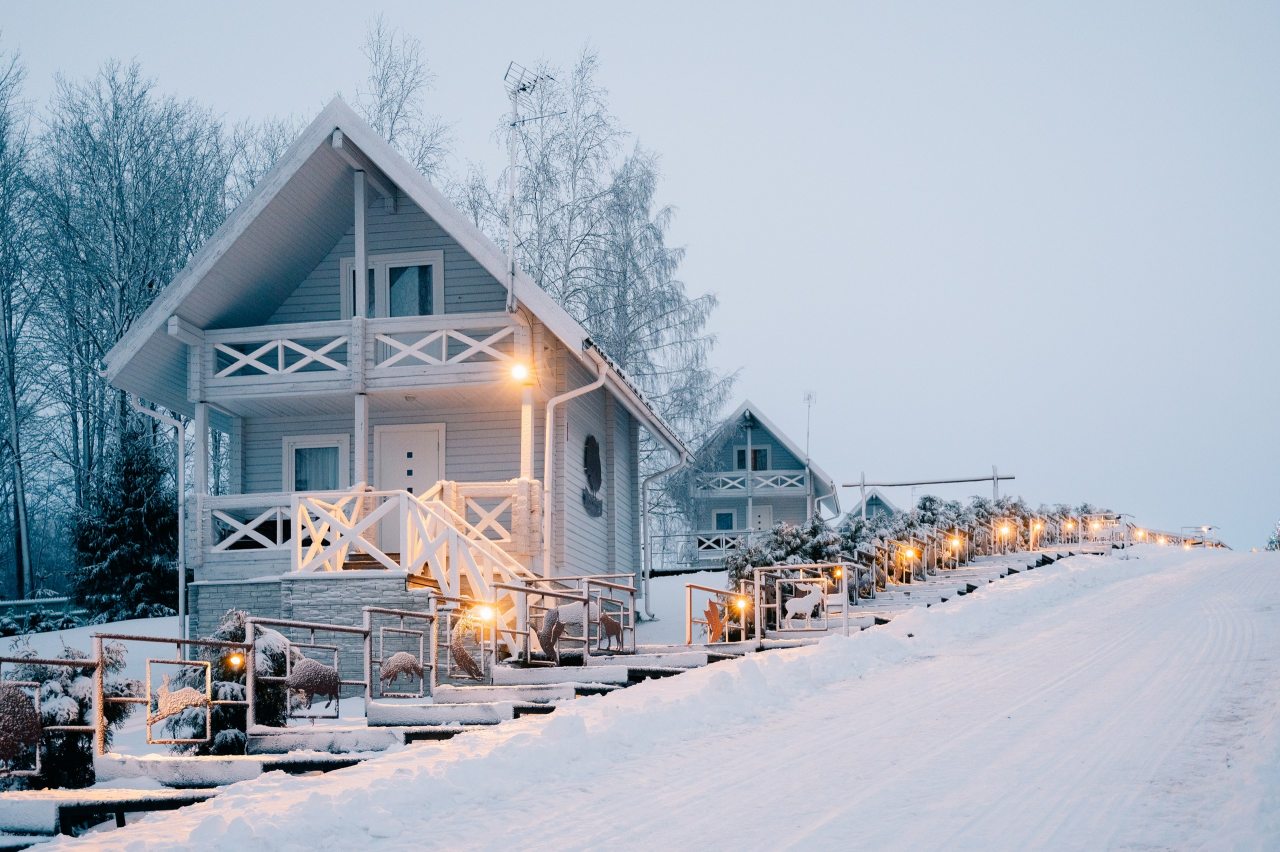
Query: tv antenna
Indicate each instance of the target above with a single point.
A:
(521, 83)
(810, 400)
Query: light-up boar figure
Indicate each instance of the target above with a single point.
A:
(400, 663)
(19, 724)
(312, 678)
(172, 703)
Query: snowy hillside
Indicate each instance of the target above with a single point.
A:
(1098, 702)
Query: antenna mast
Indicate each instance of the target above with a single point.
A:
(520, 83)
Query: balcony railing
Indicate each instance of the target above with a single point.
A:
(731, 483)
(386, 352)
(257, 527)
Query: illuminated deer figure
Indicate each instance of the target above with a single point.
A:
(804, 604)
(172, 703)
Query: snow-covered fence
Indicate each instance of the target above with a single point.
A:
(722, 608)
(810, 587)
(22, 724)
(168, 702)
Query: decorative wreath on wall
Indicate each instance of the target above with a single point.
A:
(594, 470)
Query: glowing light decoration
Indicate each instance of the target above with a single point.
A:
(234, 660)
(519, 372)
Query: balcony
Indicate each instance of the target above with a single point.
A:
(763, 483)
(359, 354)
(241, 531)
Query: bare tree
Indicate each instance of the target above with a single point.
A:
(19, 297)
(393, 96)
(258, 146)
(131, 183)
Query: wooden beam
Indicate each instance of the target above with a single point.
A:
(358, 161)
(190, 334)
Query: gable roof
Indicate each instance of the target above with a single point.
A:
(824, 486)
(873, 493)
(239, 274)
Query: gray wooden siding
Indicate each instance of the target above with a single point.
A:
(482, 440)
(789, 509)
(468, 287)
(780, 458)
(582, 545)
(625, 474)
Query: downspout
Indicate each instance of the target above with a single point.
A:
(548, 457)
(645, 549)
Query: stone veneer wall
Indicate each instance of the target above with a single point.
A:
(336, 598)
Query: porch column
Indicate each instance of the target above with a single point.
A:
(200, 486)
(361, 467)
(526, 432)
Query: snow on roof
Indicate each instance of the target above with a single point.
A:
(246, 272)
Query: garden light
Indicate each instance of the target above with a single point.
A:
(234, 660)
(519, 372)
(483, 613)
(741, 603)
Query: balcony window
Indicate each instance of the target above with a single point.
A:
(724, 522)
(407, 284)
(759, 458)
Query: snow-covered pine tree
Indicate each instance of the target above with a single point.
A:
(228, 721)
(66, 698)
(127, 538)
(1273, 543)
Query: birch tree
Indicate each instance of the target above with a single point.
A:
(393, 97)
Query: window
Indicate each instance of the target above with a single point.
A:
(316, 462)
(410, 284)
(724, 521)
(759, 458)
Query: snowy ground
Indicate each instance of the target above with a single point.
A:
(1098, 702)
(131, 737)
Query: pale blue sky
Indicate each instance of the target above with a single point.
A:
(1041, 236)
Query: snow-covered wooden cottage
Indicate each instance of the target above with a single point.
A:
(429, 420)
(749, 476)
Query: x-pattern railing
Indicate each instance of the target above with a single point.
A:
(273, 357)
(276, 519)
(418, 350)
(761, 479)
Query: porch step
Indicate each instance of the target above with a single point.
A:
(414, 712)
(49, 812)
(530, 693)
(615, 675)
(214, 771)
(353, 740)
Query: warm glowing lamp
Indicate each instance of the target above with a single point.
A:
(520, 372)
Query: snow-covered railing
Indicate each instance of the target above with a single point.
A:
(723, 607)
(764, 482)
(22, 723)
(810, 588)
(431, 540)
(507, 513)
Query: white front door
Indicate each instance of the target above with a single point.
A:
(407, 458)
(761, 517)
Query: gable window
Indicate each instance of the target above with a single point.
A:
(409, 284)
(724, 521)
(759, 458)
(316, 462)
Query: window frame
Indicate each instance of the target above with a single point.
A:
(291, 443)
(381, 264)
(768, 458)
(733, 520)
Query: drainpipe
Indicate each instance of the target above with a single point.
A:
(180, 438)
(645, 545)
(548, 457)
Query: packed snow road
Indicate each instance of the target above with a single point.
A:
(1121, 702)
